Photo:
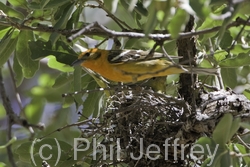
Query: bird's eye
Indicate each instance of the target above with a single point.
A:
(87, 54)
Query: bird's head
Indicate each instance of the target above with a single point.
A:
(90, 54)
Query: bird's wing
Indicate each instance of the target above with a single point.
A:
(121, 56)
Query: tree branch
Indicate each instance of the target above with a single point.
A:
(94, 28)
(100, 30)
(13, 118)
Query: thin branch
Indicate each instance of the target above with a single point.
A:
(9, 150)
(68, 126)
(167, 56)
(244, 143)
(239, 155)
(117, 20)
(151, 53)
(238, 35)
(211, 58)
(13, 118)
(9, 111)
(15, 88)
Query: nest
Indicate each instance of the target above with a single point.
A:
(139, 121)
(142, 127)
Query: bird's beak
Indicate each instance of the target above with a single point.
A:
(77, 62)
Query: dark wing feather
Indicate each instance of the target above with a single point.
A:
(120, 56)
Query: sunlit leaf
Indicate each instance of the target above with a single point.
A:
(243, 150)
(7, 45)
(247, 94)
(34, 110)
(238, 61)
(54, 64)
(220, 55)
(11, 12)
(18, 3)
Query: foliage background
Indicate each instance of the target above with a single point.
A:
(35, 55)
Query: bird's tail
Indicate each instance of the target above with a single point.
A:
(205, 71)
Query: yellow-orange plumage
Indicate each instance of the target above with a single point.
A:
(130, 65)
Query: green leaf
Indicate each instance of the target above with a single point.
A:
(89, 150)
(206, 143)
(34, 5)
(63, 53)
(77, 85)
(139, 8)
(38, 13)
(61, 23)
(29, 66)
(98, 112)
(93, 102)
(18, 71)
(10, 12)
(206, 163)
(234, 127)
(44, 3)
(212, 150)
(62, 79)
(220, 55)
(245, 125)
(152, 20)
(239, 48)
(225, 160)
(244, 71)
(235, 161)
(55, 3)
(244, 8)
(7, 45)
(4, 31)
(23, 151)
(54, 64)
(2, 112)
(201, 8)
(45, 90)
(68, 101)
(243, 150)
(226, 40)
(11, 141)
(18, 3)
(167, 13)
(209, 23)
(222, 131)
(229, 77)
(34, 110)
(2, 164)
(74, 20)
(247, 93)
(178, 22)
(48, 146)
